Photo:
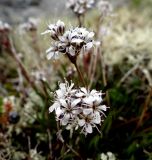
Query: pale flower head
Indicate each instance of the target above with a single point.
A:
(4, 27)
(71, 42)
(105, 8)
(55, 30)
(80, 6)
(78, 108)
(107, 156)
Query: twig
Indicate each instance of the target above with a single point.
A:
(79, 20)
(128, 74)
(11, 50)
(75, 152)
(145, 107)
(104, 77)
(65, 153)
(67, 145)
(94, 67)
(50, 144)
(29, 147)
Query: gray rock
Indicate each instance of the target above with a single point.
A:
(16, 11)
(19, 3)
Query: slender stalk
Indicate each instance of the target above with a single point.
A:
(12, 51)
(94, 66)
(104, 77)
(80, 74)
(128, 74)
(74, 151)
(66, 144)
(79, 20)
(50, 144)
(145, 107)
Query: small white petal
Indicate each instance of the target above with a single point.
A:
(93, 92)
(84, 90)
(58, 112)
(90, 35)
(75, 102)
(60, 23)
(50, 50)
(96, 119)
(87, 111)
(81, 122)
(60, 93)
(98, 100)
(63, 103)
(103, 107)
(88, 100)
(79, 94)
(104, 156)
(50, 55)
(65, 119)
(54, 106)
(71, 51)
(88, 46)
(45, 32)
(88, 128)
(63, 86)
(71, 86)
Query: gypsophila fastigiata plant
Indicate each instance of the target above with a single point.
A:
(75, 108)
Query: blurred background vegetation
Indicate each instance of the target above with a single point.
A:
(28, 131)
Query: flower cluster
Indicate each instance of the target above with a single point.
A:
(5, 30)
(80, 6)
(78, 108)
(108, 156)
(105, 8)
(30, 25)
(70, 42)
(4, 27)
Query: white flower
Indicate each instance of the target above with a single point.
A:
(4, 27)
(104, 7)
(65, 89)
(55, 30)
(108, 156)
(69, 110)
(88, 122)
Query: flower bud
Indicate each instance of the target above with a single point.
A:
(54, 35)
(60, 27)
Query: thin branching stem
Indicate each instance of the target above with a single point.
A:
(104, 77)
(94, 67)
(80, 74)
(12, 51)
(128, 74)
(50, 144)
(79, 20)
(74, 151)
(145, 107)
